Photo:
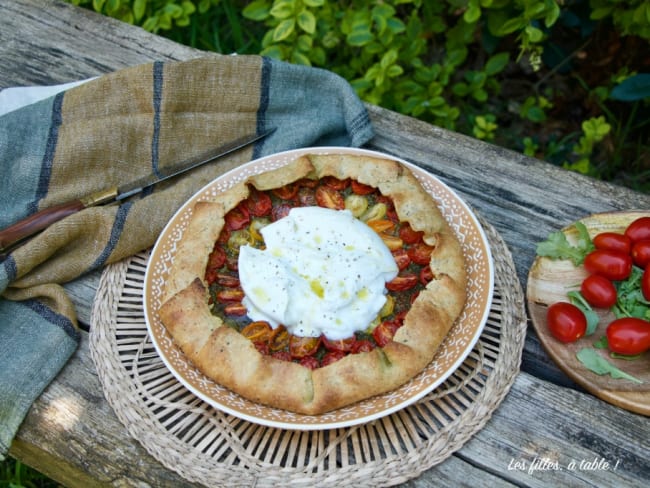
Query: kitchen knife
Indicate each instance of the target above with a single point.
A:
(44, 218)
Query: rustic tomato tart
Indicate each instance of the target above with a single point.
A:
(315, 285)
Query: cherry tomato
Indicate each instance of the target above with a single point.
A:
(385, 331)
(645, 283)
(299, 347)
(335, 183)
(566, 322)
(259, 203)
(639, 230)
(343, 345)
(613, 265)
(286, 192)
(329, 198)
(258, 331)
(281, 355)
(216, 260)
(426, 275)
(361, 189)
(598, 291)
(309, 362)
(236, 309)
(363, 345)
(628, 335)
(613, 241)
(641, 253)
(280, 211)
(306, 197)
(380, 225)
(331, 357)
(403, 282)
(279, 338)
(408, 235)
(230, 295)
(238, 218)
(401, 258)
(420, 253)
(227, 280)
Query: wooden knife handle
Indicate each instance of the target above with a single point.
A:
(37, 222)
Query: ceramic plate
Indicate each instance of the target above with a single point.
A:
(458, 344)
(548, 282)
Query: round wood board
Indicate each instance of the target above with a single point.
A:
(549, 281)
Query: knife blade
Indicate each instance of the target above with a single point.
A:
(27, 227)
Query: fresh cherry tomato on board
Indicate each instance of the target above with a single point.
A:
(566, 322)
(641, 253)
(613, 265)
(613, 242)
(628, 335)
(639, 230)
(598, 291)
(645, 283)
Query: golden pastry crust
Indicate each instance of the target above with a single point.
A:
(224, 355)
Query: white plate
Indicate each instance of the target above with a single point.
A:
(453, 351)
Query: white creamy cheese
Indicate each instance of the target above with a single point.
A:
(322, 272)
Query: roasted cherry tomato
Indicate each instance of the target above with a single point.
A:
(309, 362)
(420, 253)
(238, 218)
(408, 235)
(426, 275)
(335, 183)
(236, 309)
(639, 230)
(258, 331)
(259, 203)
(299, 347)
(343, 345)
(403, 282)
(227, 280)
(280, 211)
(613, 242)
(331, 357)
(279, 338)
(401, 258)
(645, 283)
(361, 189)
(385, 332)
(286, 192)
(598, 291)
(282, 355)
(362, 345)
(613, 265)
(641, 253)
(566, 322)
(230, 295)
(329, 198)
(628, 335)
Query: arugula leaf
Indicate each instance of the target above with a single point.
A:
(630, 301)
(595, 363)
(576, 298)
(556, 246)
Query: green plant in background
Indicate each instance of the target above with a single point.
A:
(14, 474)
(594, 131)
(495, 69)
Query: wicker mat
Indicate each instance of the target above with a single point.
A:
(207, 446)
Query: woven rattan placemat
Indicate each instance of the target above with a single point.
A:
(207, 446)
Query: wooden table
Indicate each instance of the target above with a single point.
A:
(49, 42)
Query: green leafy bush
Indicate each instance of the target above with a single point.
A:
(525, 74)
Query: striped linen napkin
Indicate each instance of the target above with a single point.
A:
(115, 129)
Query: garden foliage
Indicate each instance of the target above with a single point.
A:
(512, 72)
